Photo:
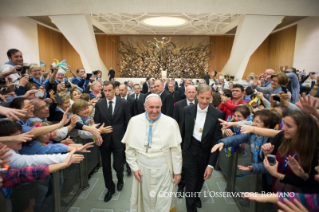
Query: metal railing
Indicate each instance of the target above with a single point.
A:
(239, 181)
(56, 193)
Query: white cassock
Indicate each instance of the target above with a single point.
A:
(158, 165)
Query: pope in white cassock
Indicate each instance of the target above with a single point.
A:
(154, 154)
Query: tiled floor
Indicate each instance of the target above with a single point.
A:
(91, 200)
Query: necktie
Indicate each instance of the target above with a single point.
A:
(191, 103)
(136, 99)
(110, 108)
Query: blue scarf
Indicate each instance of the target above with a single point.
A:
(10, 63)
(257, 147)
(84, 120)
(150, 133)
(37, 82)
(267, 83)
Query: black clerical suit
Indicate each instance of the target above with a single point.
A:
(138, 103)
(112, 141)
(176, 96)
(197, 154)
(167, 103)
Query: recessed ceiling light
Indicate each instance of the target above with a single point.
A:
(164, 21)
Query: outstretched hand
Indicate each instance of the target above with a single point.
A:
(296, 168)
(219, 147)
(85, 147)
(307, 104)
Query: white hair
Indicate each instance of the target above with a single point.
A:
(153, 95)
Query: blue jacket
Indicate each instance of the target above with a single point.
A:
(258, 168)
(37, 148)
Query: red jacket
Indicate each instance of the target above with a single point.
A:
(228, 107)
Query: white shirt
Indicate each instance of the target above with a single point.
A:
(188, 102)
(138, 96)
(199, 123)
(113, 104)
(125, 97)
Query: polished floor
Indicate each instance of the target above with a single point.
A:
(91, 200)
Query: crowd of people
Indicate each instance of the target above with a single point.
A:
(165, 132)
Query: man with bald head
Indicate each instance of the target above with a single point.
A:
(124, 95)
(166, 97)
(154, 157)
(183, 87)
(266, 87)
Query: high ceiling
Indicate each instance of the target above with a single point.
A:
(197, 24)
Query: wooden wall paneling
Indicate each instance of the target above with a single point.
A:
(108, 49)
(50, 45)
(277, 50)
(282, 46)
(112, 54)
(101, 46)
(220, 50)
(258, 61)
(71, 56)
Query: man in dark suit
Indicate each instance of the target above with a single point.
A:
(175, 94)
(201, 130)
(146, 86)
(182, 88)
(111, 74)
(124, 95)
(166, 84)
(178, 116)
(115, 112)
(206, 78)
(139, 100)
(152, 89)
(176, 84)
(166, 97)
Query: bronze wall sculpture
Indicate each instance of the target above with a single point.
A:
(148, 57)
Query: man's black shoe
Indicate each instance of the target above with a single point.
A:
(119, 186)
(198, 203)
(108, 195)
(180, 192)
(128, 169)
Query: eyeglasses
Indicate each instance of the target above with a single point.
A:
(43, 107)
(258, 122)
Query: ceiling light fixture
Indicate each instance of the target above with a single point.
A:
(164, 21)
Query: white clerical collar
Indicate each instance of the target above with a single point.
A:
(188, 102)
(113, 100)
(202, 111)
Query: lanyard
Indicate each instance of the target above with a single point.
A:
(150, 133)
(266, 84)
(284, 164)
